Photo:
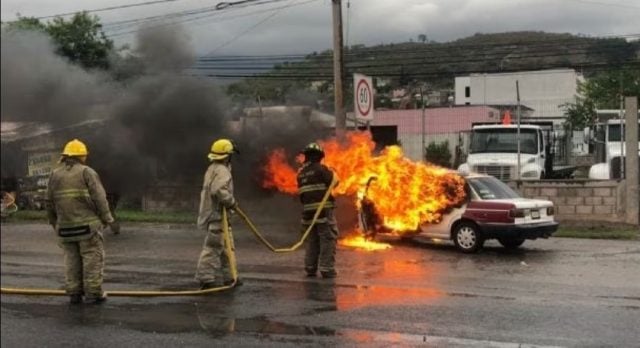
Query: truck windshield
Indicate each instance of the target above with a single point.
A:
(492, 188)
(615, 134)
(504, 140)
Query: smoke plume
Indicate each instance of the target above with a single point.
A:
(158, 122)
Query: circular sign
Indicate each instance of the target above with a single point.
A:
(364, 97)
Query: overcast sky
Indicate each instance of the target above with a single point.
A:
(302, 26)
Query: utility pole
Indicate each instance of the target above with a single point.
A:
(424, 145)
(338, 66)
(518, 133)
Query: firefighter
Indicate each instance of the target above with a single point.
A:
(314, 179)
(213, 268)
(77, 209)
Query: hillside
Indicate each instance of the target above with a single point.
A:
(437, 63)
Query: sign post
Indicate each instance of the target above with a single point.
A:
(363, 97)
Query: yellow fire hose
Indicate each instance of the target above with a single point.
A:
(294, 247)
(229, 251)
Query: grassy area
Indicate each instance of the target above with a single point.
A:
(567, 229)
(123, 215)
(598, 232)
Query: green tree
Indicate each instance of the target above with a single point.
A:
(602, 91)
(26, 23)
(79, 38)
(439, 154)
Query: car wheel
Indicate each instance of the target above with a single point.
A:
(511, 243)
(467, 237)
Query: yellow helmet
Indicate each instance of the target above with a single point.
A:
(221, 149)
(75, 148)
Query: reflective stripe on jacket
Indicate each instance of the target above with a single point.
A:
(313, 181)
(76, 200)
(217, 192)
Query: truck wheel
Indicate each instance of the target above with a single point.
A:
(511, 243)
(467, 237)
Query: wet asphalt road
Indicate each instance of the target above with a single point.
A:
(556, 292)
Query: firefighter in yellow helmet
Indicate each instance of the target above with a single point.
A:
(77, 209)
(213, 268)
(314, 179)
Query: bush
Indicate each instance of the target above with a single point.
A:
(439, 154)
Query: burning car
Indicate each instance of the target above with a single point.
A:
(396, 195)
(492, 211)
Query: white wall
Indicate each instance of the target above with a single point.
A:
(544, 91)
(460, 83)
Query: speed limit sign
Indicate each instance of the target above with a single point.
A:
(363, 97)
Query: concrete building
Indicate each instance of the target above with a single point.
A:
(452, 124)
(543, 91)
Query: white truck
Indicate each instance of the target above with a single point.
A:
(493, 151)
(610, 136)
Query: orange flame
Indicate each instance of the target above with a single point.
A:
(406, 193)
(360, 242)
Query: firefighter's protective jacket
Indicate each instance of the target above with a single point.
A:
(313, 181)
(217, 192)
(76, 202)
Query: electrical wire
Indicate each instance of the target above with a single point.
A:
(112, 28)
(249, 29)
(415, 61)
(624, 66)
(111, 8)
(440, 46)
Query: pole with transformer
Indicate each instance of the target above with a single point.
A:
(338, 66)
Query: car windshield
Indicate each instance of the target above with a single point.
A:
(504, 140)
(492, 188)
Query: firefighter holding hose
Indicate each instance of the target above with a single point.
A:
(314, 179)
(78, 210)
(214, 269)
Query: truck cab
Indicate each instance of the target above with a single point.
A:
(493, 151)
(611, 138)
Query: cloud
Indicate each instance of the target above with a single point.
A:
(306, 28)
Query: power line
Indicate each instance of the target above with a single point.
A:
(407, 61)
(208, 11)
(433, 48)
(295, 77)
(146, 3)
(239, 35)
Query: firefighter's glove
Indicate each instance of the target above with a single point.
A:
(232, 210)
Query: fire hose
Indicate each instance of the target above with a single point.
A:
(306, 233)
(151, 293)
(229, 251)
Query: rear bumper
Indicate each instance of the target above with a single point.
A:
(529, 231)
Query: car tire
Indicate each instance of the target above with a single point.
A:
(467, 237)
(511, 243)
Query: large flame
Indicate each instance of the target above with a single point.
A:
(405, 193)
